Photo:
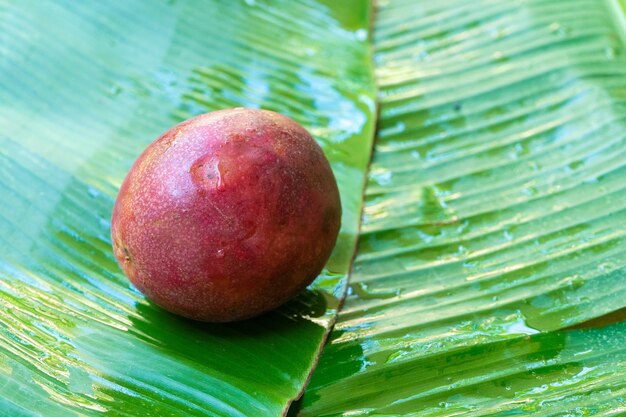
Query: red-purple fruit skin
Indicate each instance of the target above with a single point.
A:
(227, 215)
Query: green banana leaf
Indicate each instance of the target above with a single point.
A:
(579, 373)
(495, 215)
(84, 87)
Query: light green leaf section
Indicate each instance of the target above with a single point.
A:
(495, 210)
(84, 87)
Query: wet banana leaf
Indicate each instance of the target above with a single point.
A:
(495, 214)
(84, 87)
(580, 373)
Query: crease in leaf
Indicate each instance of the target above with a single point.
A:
(83, 88)
(494, 217)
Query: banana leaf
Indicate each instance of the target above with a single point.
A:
(495, 215)
(84, 87)
(577, 373)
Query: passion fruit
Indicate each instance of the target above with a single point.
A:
(227, 215)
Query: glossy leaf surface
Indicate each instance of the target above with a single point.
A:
(495, 210)
(577, 373)
(84, 87)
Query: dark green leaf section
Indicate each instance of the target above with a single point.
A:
(84, 87)
(495, 210)
(579, 373)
